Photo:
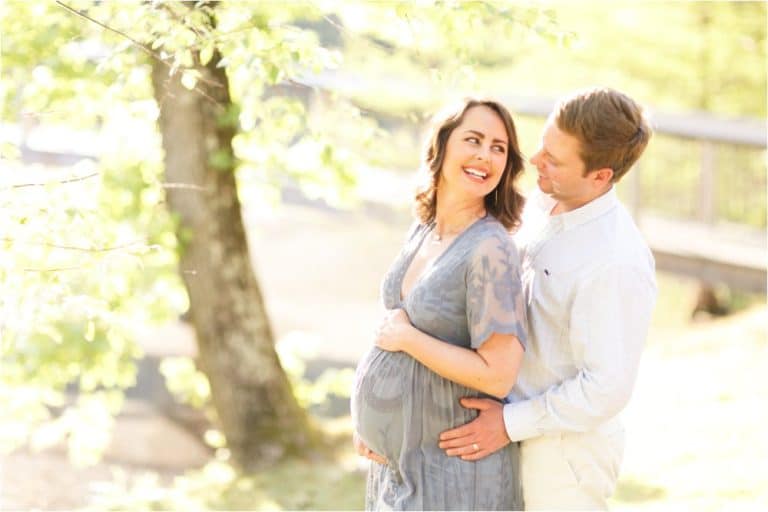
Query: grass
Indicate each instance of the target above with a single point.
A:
(331, 481)
(695, 424)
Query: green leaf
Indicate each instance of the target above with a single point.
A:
(90, 331)
(206, 53)
(274, 73)
(158, 42)
(221, 159)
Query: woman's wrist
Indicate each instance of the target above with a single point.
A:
(410, 339)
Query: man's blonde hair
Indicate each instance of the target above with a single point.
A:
(609, 126)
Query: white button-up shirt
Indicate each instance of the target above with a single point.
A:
(589, 284)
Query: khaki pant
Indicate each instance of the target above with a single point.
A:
(572, 471)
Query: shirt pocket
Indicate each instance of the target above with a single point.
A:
(550, 302)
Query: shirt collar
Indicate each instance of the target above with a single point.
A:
(589, 211)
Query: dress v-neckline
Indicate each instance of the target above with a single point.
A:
(403, 298)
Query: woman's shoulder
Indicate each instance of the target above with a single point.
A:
(492, 237)
(491, 228)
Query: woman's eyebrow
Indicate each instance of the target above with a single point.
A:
(482, 136)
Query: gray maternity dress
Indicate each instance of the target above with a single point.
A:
(400, 407)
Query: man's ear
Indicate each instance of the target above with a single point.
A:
(602, 177)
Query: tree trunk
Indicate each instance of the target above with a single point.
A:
(250, 391)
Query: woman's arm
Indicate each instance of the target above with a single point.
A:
(492, 368)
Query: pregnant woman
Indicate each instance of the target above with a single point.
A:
(455, 324)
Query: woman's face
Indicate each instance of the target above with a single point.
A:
(475, 154)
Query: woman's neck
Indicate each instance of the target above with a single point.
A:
(453, 214)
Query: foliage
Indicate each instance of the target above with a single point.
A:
(87, 252)
(294, 351)
(190, 386)
(81, 263)
(710, 56)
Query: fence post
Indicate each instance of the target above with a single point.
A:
(707, 299)
(706, 202)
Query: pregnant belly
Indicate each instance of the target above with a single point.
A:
(378, 412)
(400, 405)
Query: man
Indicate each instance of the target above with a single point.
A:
(590, 290)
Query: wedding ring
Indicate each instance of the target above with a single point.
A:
(475, 447)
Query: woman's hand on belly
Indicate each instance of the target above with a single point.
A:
(394, 332)
(366, 452)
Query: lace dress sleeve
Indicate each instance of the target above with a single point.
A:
(495, 300)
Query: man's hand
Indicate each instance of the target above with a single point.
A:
(366, 452)
(481, 436)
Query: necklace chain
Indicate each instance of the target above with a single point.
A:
(438, 237)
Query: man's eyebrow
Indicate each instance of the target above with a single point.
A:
(551, 156)
(482, 136)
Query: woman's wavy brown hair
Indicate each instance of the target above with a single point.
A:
(505, 202)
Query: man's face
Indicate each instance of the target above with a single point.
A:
(561, 170)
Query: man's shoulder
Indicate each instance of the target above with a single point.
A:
(630, 246)
(622, 249)
(610, 240)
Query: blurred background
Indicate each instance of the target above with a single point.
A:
(200, 200)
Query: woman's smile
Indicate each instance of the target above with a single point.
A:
(476, 173)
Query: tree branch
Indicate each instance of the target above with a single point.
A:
(55, 269)
(81, 249)
(69, 180)
(185, 186)
(139, 44)
(145, 48)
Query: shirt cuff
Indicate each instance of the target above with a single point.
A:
(521, 419)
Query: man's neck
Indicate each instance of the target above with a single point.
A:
(569, 206)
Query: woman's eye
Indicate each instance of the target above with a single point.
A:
(499, 149)
(473, 140)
